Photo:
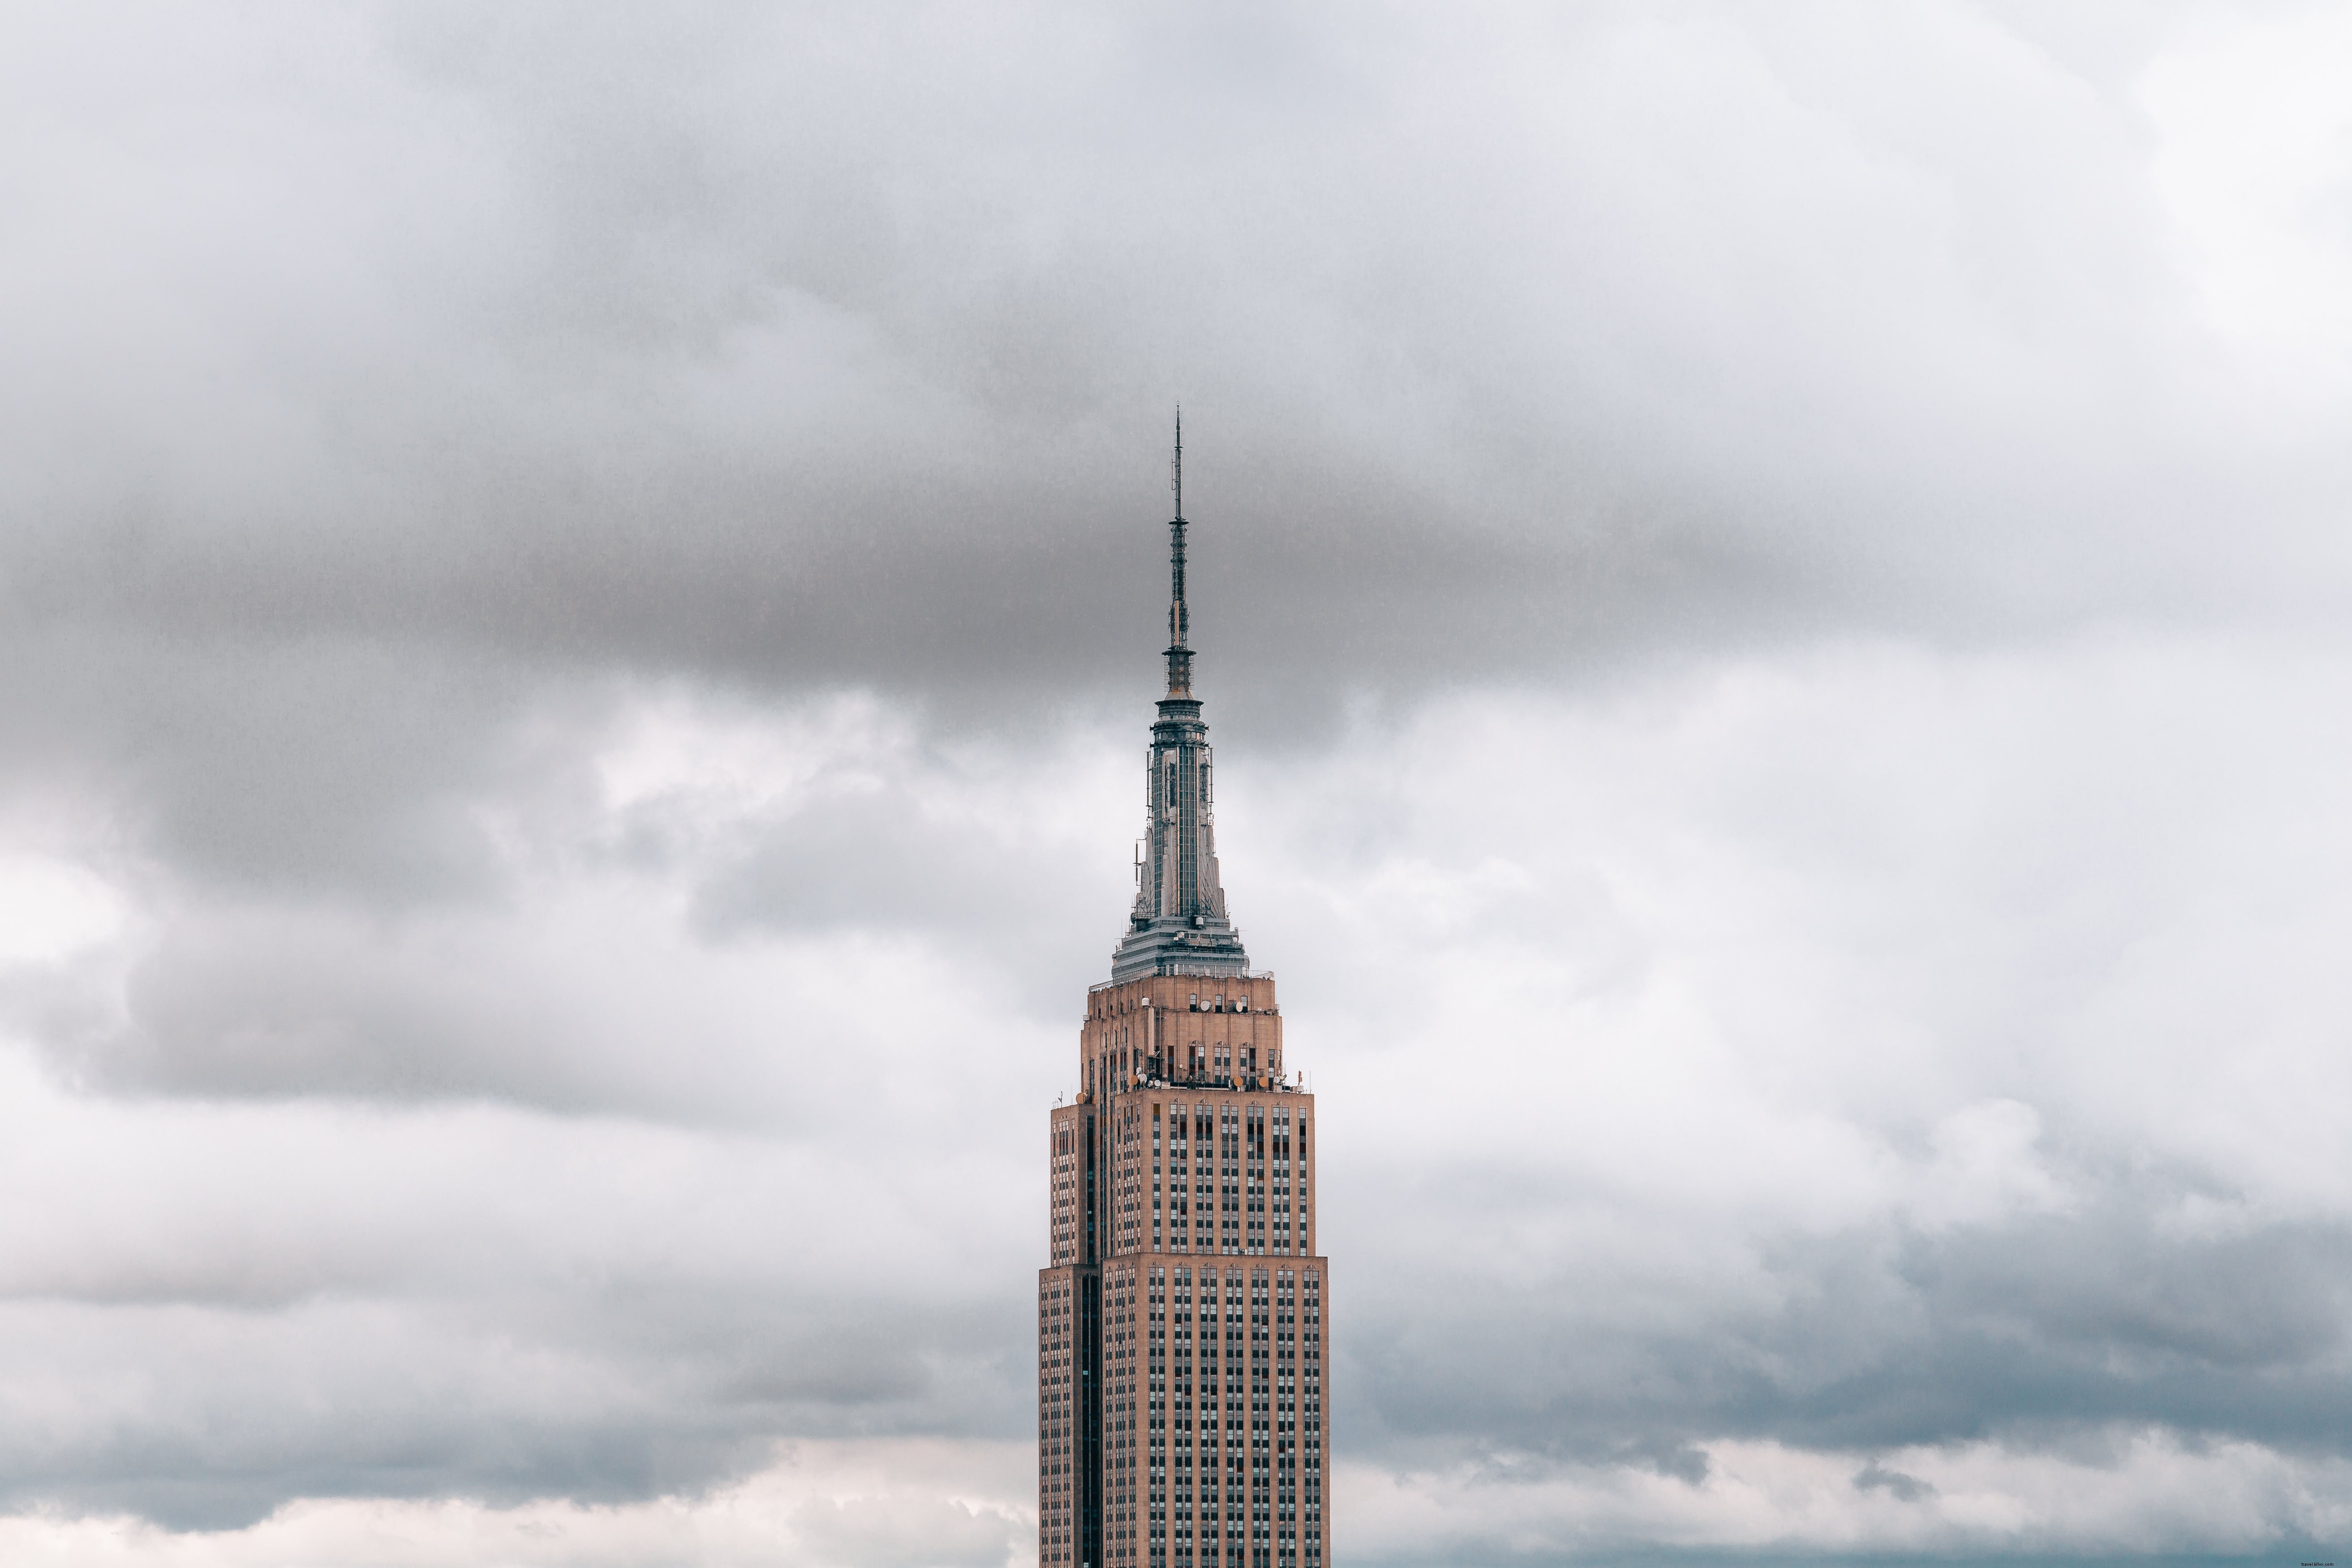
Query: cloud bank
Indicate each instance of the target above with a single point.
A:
(579, 613)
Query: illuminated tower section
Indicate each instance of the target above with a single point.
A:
(1182, 1373)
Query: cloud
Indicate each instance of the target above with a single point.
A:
(813, 1504)
(1875, 1477)
(2137, 1495)
(217, 1310)
(578, 603)
(1686, 1168)
(788, 352)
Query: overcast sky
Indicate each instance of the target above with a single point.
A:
(579, 600)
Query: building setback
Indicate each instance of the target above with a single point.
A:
(1182, 1373)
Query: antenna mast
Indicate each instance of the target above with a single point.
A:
(1180, 652)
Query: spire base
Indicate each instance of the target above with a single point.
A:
(1172, 944)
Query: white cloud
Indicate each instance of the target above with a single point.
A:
(52, 910)
(2253, 162)
(815, 1505)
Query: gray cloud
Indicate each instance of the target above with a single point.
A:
(2028, 1333)
(619, 363)
(1875, 1477)
(756, 360)
(587, 586)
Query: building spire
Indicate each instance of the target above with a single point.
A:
(1179, 924)
(1180, 628)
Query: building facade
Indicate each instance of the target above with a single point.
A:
(1182, 1372)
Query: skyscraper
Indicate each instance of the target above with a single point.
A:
(1181, 1367)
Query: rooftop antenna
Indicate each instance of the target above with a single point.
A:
(1180, 652)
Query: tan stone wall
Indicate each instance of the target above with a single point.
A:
(1159, 1192)
(1196, 1025)
(1213, 1377)
(1216, 1394)
(1062, 1450)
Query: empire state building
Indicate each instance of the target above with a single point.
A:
(1183, 1384)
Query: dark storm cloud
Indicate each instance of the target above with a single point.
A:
(790, 350)
(820, 348)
